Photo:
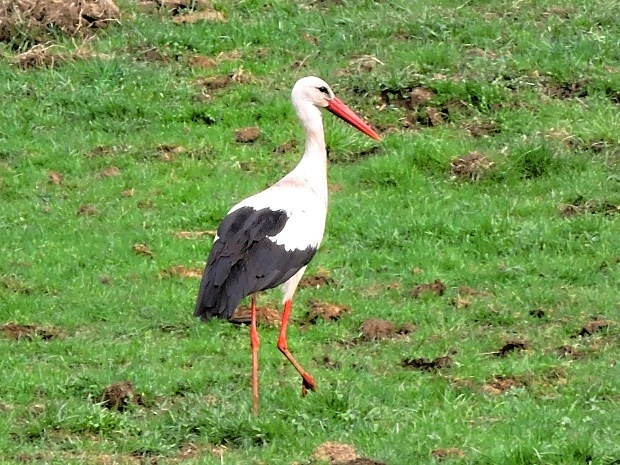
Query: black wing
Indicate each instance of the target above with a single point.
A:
(243, 260)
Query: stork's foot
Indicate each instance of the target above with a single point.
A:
(307, 382)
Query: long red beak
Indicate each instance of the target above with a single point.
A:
(338, 108)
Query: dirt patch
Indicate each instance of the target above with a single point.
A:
(110, 172)
(361, 461)
(375, 329)
(570, 352)
(424, 364)
(264, 316)
(195, 234)
(247, 135)
(14, 284)
(481, 128)
(285, 147)
(181, 271)
(449, 452)
(509, 347)
(537, 313)
(119, 396)
(329, 362)
(471, 166)
(351, 157)
(581, 205)
(565, 90)
(325, 311)
(33, 22)
(420, 111)
(219, 82)
(30, 332)
(501, 384)
(436, 287)
(88, 210)
(592, 327)
(202, 15)
(334, 452)
(142, 249)
(54, 177)
(321, 278)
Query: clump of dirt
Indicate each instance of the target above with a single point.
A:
(264, 316)
(218, 82)
(478, 129)
(375, 329)
(571, 352)
(55, 177)
(436, 287)
(424, 364)
(501, 384)
(195, 234)
(110, 172)
(181, 271)
(328, 362)
(325, 311)
(247, 135)
(321, 278)
(471, 166)
(592, 327)
(420, 111)
(88, 210)
(119, 396)
(35, 21)
(537, 313)
(142, 249)
(511, 346)
(285, 147)
(334, 452)
(449, 452)
(566, 90)
(16, 331)
(351, 157)
(580, 206)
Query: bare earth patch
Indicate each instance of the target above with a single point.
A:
(511, 346)
(472, 166)
(195, 234)
(88, 210)
(181, 271)
(247, 135)
(325, 311)
(264, 316)
(436, 287)
(142, 249)
(38, 17)
(449, 452)
(374, 329)
(593, 327)
(16, 331)
(321, 278)
(501, 384)
(570, 352)
(425, 364)
(334, 452)
(118, 396)
(581, 206)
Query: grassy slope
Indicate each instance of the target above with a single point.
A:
(396, 211)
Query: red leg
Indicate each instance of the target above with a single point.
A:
(254, 342)
(307, 380)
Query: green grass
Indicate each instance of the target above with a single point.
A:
(543, 73)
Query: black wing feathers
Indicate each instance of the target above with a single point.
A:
(243, 261)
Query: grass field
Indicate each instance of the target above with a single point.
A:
(119, 155)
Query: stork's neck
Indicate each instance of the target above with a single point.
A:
(313, 165)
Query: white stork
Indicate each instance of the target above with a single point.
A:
(267, 240)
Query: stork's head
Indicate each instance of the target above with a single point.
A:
(317, 92)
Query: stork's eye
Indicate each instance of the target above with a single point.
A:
(323, 89)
